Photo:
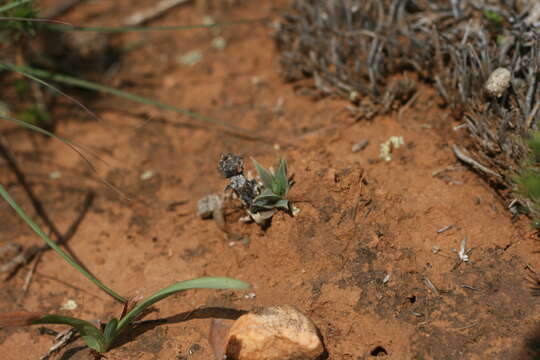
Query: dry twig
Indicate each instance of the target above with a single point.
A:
(153, 12)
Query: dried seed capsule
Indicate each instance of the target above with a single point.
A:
(231, 165)
(498, 82)
(247, 190)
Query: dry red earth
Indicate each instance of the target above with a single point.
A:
(361, 218)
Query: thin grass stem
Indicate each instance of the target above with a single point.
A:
(35, 227)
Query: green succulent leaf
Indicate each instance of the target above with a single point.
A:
(92, 336)
(266, 192)
(282, 204)
(277, 188)
(266, 177)
(281, 181)
(281, 174)
(200, 283)
(260, 206)
(269, 198)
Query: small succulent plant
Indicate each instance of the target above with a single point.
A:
(276, 187)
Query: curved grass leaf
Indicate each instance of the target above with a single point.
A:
(35, 227)
(92, 336)
(19, 318)
(13, 18)
(46, 84)
(200, 283)
(123, 29)
(108, 90)
(78, 148)
(110, 332)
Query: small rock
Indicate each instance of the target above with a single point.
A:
(208, 205)
(147, 175)
(498, 82)
(191, 58)
(219, 43)
(55, 175)
(359, 146)
(274, 333)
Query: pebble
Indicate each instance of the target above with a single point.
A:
(274, 333)
(207, 205)
(498, 82)
(191, 58)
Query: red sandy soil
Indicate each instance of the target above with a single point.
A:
(361, 218)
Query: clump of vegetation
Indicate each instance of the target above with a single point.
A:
(276, 187)
(359, 48)
(260, 199)
(100, 338)
(13, 28)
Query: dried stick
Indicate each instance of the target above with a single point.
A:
(62, 339)
(155, 11)
(470, 161)
(60, 9)
(31, 273)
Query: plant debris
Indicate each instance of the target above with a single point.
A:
(483, 58)
(262, 199)
(386, 148)
(359, 146)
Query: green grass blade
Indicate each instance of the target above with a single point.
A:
(105, 89)
(200, 283)
(46, 84)
(37, 129)
(91, 335)
(12, 18)
(123, 29)
(35, 227)
(75, 147)
(13, 4)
